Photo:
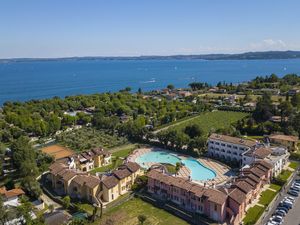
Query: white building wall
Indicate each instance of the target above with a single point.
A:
(226, 150)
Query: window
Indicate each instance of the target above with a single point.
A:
(223, 144)
(217, 143)
(229, 146)
(216, 207)
(235, 147)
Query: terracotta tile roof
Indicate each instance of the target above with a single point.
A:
(68, 175)
(216, 196)
(284, 137)
(122, 173)
(87, 180)
(244, 186)
(260, 153)
(253, 177)
(100, 151)
(238, 196)
(110, 181)
(257, 172)
(132, 166)
(234, 140)
(56, 167)
(11, 193)
(264, 164)
(249, 181)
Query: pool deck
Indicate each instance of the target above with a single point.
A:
(222, 171)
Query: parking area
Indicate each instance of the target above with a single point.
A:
(286, 208)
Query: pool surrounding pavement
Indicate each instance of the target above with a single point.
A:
(220, 171)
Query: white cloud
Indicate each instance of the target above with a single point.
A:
(269, 44)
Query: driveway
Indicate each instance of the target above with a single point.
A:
(48, 201)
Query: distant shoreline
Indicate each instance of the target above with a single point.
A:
(239, 56)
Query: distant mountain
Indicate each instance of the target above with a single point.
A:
(240, 56)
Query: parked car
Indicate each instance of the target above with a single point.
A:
(294, 189)
(278, 219)
(283, 208)
(289, 198)
(279, 213)
(293, 193)
(286, 204)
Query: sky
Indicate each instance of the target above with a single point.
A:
(63, 28)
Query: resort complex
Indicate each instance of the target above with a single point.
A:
(201, 186)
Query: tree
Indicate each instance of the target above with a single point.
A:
(24, 157)
(142, 218)
(177, 167)
(3, 214)
(31, 186)
(193, 130)
(295, 100)
(264, 109)
(66, 202)
(51, 208)
(170, 86)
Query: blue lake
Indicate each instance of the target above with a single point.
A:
(43, 79)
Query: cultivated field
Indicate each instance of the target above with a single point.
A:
(212, 120)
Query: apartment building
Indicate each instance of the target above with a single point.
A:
(228, 148)
(225, 204)
(82, 185)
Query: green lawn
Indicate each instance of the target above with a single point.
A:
(210, 121)
(253, 214)
(170, 168)
(275, 187)
(128, 212)
(284, 175)
(88, 208)
(266, 197)
(124, 152)
(293, 165)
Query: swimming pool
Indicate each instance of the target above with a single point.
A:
(198, 171)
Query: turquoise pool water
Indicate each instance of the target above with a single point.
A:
(198, 171)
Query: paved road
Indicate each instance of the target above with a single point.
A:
(291, 218)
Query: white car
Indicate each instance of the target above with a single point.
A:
(292, 199)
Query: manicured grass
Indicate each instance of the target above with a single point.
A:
(88, 208)
(253, 214)
(170, 168)
(124, 152)
(275, 187)
(284, 175)
(211, 121)
(266, 197)
(293, 165)
(128, 212)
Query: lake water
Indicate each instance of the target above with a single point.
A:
(43, 79)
